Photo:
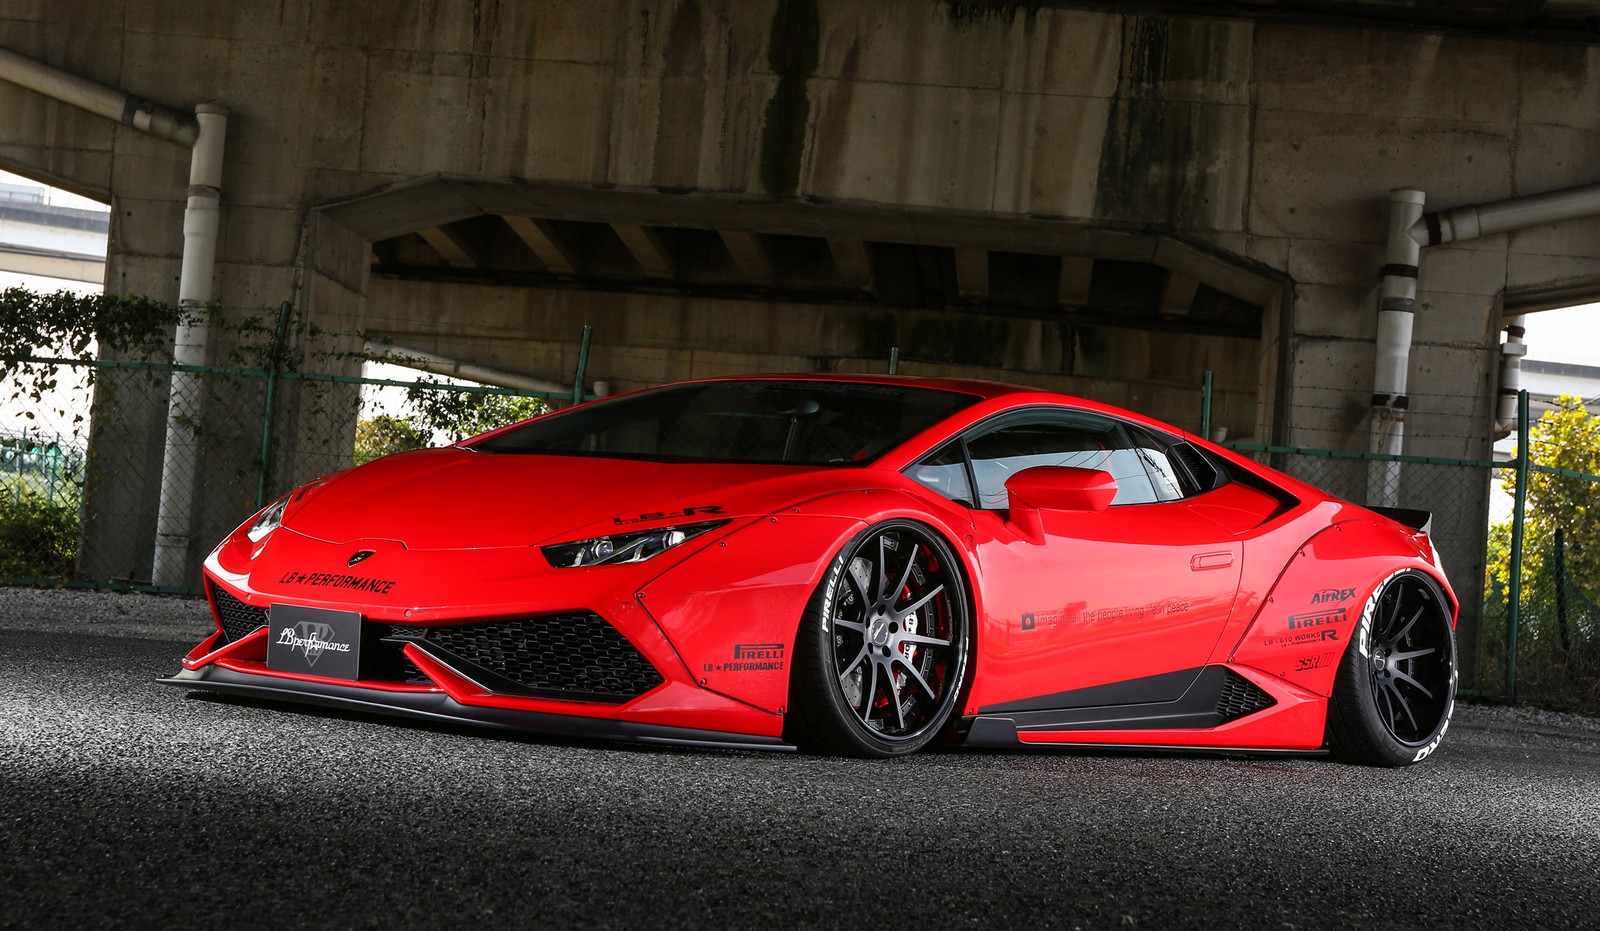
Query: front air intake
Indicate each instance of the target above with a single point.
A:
(570, 656)
(238, 619)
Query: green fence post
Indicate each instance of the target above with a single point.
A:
(274, 355)
(894, 360)
(1519, 513)
(583, 365)
(1205, 407)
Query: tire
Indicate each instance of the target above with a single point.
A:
(1396, 686)
(884, 646)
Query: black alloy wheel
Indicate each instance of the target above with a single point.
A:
(1396, 685)
(884, 649)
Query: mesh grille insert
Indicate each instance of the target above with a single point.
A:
(238, 619)
(573, 655)
(1240, 697)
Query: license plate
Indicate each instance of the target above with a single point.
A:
(314, 641)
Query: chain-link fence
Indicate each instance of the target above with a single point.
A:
(80, 495)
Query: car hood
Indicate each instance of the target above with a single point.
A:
(455, 498)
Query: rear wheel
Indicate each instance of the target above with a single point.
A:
(884, 646)
(1396, 686)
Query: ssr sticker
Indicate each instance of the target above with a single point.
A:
(646, 518)
(751, 657)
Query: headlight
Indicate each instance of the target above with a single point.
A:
(269, 520)
(624, 547)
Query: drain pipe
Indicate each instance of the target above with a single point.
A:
(1511, 353)
(1409, 230)
(450, 368)
(203, 133)
(1395, 316)
(180, 459)
(161, 121)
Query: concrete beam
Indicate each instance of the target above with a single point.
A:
(972, 274)
(647, 248)
(854, 264)
(451, 243)
(1076, 273)
(66, 266)
(750, 255)
(1178, 295)
(548, 245)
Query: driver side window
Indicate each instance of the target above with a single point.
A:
(1084, 444)
(1142, 465)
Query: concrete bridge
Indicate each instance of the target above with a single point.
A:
(1105, 199)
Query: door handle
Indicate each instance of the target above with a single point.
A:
(1210, 561)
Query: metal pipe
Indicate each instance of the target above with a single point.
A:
(1519, 513)
(181, 457)
(1395, 313)
(1516, 213)
(146, 115)
(451, 368)
(583, 365)
(269, 405)
(1511, 353)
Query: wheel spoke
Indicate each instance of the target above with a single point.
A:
(894, 697)
(926, 598)
(1403, 677)
(1388, 704)
(855, 583)
(881, 570)
(1394, 615)
(905, 576)
(870, 695)
(1409, 624)
(1394, 691)
(848, 624)
(1412, 654)
(853, 664)
(917, 677)
(920, 640)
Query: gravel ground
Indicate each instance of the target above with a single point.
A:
(127, 805)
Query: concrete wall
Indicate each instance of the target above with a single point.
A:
(1273, 140)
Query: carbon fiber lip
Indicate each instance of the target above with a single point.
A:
(438, 707)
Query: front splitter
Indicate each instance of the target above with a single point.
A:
(437, 707)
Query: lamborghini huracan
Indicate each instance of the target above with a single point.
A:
(858, 565)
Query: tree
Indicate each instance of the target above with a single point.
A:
(456, 415)
(1565, 438)
(385, 434)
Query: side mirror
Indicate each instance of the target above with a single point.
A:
(1061, 488)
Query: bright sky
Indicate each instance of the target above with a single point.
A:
(1570, 335)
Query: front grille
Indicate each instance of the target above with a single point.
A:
(569, 656)
(238, 619)
(1240, 697)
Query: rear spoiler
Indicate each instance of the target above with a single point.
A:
(1411, 517)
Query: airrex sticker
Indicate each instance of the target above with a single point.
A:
(1329, 595)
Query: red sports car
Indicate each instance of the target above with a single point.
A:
(849, 564)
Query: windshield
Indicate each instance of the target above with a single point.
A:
(801, 422)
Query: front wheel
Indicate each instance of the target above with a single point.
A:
(1396, 686)
(883, 649)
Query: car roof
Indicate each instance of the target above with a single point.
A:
(974, 386)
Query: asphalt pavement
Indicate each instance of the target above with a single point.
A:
(126, 803)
